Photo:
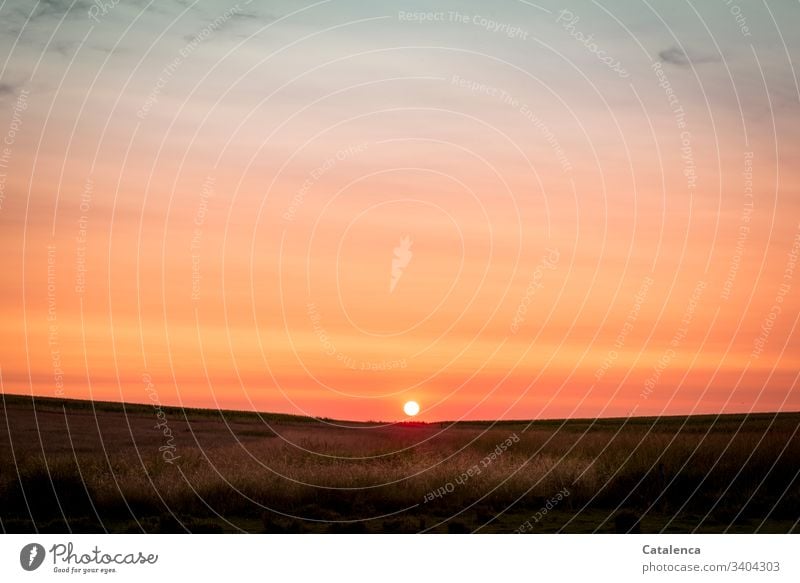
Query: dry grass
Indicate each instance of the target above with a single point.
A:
(92, 470)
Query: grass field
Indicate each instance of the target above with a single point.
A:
(82, 466)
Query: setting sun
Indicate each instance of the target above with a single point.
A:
(411, 408)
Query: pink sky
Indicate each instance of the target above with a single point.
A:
(227, 214)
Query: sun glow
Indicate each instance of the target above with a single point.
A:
(411, 408)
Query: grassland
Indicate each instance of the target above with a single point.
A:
(82, 466)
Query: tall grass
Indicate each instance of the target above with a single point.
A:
(77, 469)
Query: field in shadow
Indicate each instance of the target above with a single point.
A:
(79, 466)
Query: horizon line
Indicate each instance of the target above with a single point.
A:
(33, 396)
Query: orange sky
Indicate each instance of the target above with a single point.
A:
(575, 250)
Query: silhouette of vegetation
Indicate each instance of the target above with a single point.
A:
(80, 466)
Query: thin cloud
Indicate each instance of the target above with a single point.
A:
(234, 20)
(678, 57)
(57, 8)
(7, 89)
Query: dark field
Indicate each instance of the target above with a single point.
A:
(78, 466)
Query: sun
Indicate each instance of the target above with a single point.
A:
(411, 408)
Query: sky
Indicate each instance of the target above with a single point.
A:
(504, 211)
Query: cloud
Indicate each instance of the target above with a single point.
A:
(47, 7)
(20, 16)
(679, 57)
(58, 8)
(229, 19)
